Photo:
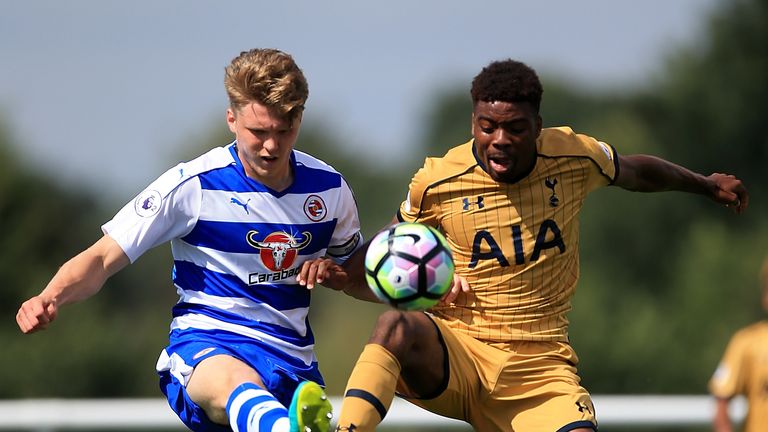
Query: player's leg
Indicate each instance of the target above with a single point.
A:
(551, 396)
(228, 390)
(232, 393)
(403, 344)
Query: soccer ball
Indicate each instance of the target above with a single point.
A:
(409, 266)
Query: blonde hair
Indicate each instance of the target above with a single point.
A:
(269, 77)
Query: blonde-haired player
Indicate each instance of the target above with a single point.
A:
(497, 355)
(744, 370)
(241, 220)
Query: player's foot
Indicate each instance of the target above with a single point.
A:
(310, 409)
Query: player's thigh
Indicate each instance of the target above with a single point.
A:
(541, 383)
(561, 412)
(213, 381)
(414, 340)
(454, 392)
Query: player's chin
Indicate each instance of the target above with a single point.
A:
(502, 176)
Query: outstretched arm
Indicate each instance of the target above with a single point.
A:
(349, 277)
(79, 278)
(722, 421)
(643, 173)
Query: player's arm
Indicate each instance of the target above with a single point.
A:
(721, 422)
(644, 173)
(79, 278)
(348, 277)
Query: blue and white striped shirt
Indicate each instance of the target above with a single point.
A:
(238, 245)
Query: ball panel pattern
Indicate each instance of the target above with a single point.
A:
(409, 266)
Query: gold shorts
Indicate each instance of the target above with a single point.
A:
(521, 386)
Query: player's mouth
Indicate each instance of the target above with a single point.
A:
(500, 164)
(269, 159)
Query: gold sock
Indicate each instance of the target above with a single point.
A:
(370, 390)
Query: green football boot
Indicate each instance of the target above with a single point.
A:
(310, 410)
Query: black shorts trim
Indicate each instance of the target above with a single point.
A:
(578, 424)
(446, 365)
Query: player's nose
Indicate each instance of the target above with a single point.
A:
(500, 138)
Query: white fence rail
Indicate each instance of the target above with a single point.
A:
(111, 414)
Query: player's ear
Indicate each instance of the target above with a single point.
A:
(472, 124)
(231, 120)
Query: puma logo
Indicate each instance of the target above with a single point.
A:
(244, 205)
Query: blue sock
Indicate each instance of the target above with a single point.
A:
(251, 408)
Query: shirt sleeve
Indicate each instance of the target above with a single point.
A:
(605, 158)
(165, 210)
(728, 379)
(417, 205)
(347, 237)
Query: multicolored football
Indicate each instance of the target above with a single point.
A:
(409, 266)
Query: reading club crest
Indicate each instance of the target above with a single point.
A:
(314, 208)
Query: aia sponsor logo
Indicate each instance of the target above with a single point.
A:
(314, 208)
(278, 250)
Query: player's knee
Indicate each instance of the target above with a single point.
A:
(395, 330)
(216, 410)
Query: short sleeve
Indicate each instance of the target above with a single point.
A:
(417, 205)
(728, 379)
(346, 237)
(165, 210)
(606, 161)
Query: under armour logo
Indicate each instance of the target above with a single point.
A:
(554, 201)
(478, 203)
(583, 407)
(244, 205)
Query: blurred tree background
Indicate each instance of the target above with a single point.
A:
(665, 278)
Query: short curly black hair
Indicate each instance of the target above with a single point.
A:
(507, 81)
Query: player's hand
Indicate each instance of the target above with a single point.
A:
(35, 314)
(730, 191)
(323, 271)
(460, 285)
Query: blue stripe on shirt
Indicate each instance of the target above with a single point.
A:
(279, 332)
(232, 236)
(306, 179)
(191, 277)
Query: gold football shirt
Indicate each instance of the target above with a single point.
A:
(516, 244)
(744, 370)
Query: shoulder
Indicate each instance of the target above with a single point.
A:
(563, 143)
(180, 174)
(752, 332)
(312, 162)
(457, 161)
(316, 174)
(215, 158)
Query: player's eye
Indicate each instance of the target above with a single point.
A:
(487, 128)
(515, 130)
(516, 127)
